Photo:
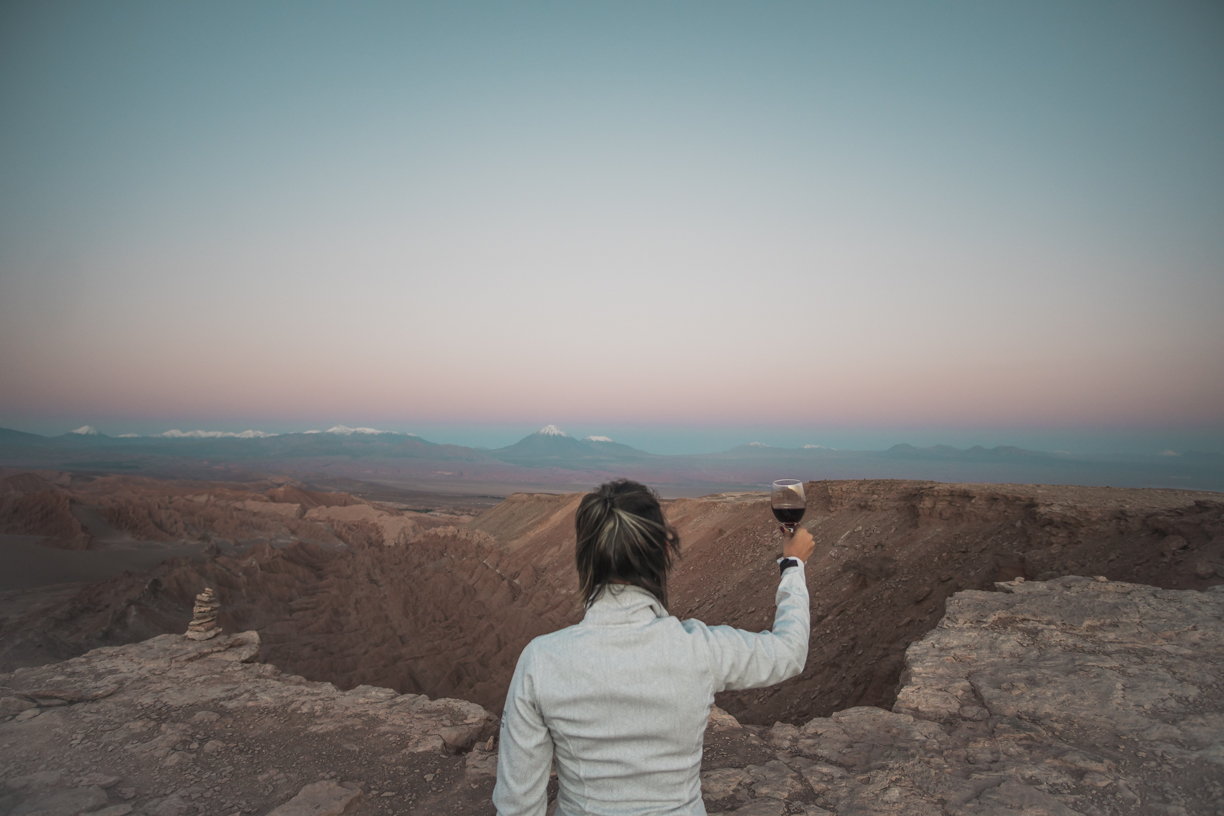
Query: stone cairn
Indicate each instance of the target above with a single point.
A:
(204, 620)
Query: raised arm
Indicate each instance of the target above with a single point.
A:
(741, 659)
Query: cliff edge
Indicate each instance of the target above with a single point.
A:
(1073, 696)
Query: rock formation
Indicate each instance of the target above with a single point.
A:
(171, 726)
(1074, 696)
(203, 624)
(425, 605)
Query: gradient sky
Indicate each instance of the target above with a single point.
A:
(863, 223)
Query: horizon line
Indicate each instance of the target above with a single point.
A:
(87, 431)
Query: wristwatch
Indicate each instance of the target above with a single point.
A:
(786, 563)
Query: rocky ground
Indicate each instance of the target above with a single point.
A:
(171, 726)
(1074, 696)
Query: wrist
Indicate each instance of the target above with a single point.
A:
(787, 562)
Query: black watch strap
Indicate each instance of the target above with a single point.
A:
(786, 563)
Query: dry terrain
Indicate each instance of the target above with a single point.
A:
(1075, 696)
(354, 591)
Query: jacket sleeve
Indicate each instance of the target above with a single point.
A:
(525, 753)
(741, 660)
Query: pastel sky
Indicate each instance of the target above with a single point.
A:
(863, 223)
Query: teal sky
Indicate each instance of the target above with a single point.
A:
(978, 223)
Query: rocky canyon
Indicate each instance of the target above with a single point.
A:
(366, 605)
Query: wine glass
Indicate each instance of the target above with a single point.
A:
(788, 503)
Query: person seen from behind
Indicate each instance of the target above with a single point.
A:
(621, 700)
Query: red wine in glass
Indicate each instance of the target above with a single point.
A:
(788, 502)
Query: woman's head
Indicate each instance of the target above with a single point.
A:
(623, 538)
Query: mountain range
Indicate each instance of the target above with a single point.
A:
(550, 459)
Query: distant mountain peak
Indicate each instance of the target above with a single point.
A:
(344, 430)
(552, 447)
(174, 433)
(89, 430)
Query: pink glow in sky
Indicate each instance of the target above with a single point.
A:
(804, 215)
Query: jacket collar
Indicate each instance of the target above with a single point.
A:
(622, 605)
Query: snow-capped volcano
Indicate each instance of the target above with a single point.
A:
(89, 430)
(551, 430)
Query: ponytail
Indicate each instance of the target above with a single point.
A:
(623, 537)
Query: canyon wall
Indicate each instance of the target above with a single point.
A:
(363, 593)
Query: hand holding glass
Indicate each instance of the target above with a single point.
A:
(788, 502)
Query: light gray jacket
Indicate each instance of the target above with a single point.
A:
(621, 701)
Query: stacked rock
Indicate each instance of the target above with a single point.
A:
(204, 620)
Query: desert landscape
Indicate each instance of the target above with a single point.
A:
(317, 321)
(435, 603)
